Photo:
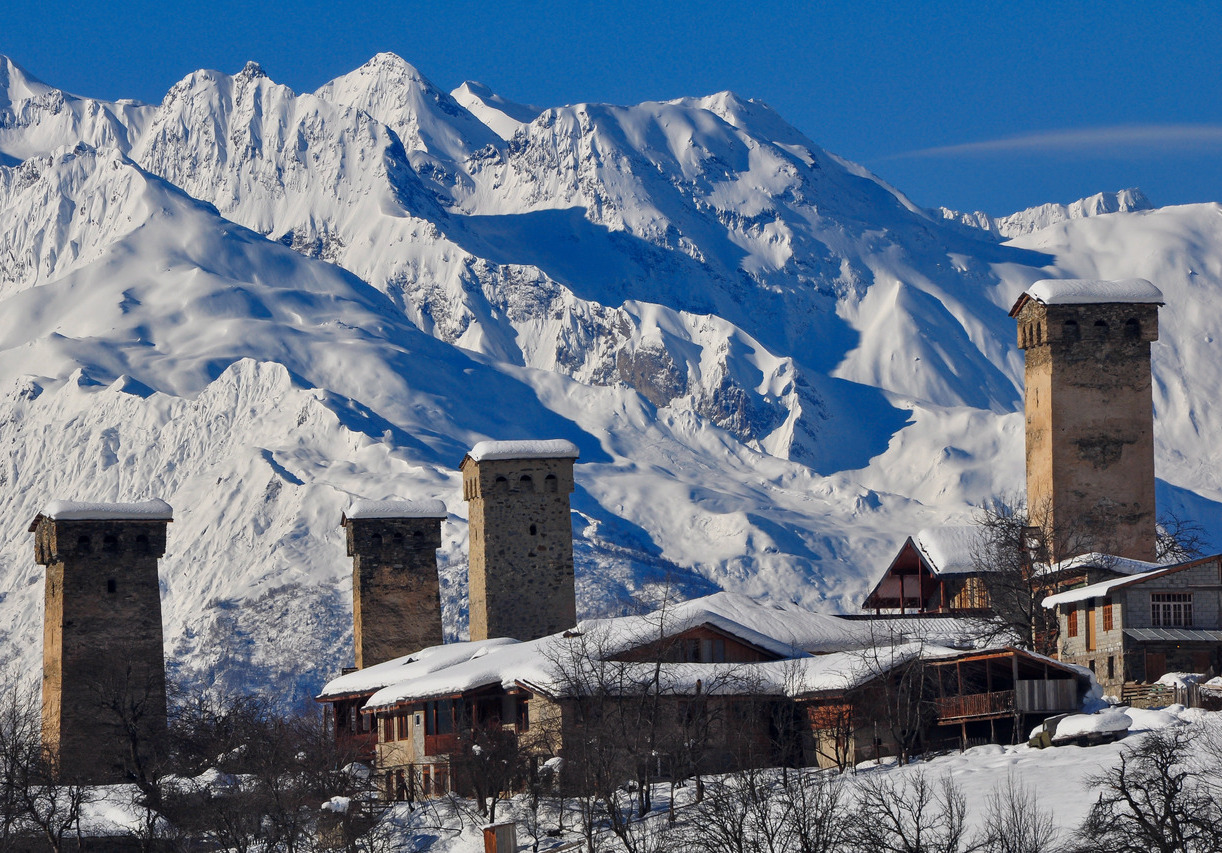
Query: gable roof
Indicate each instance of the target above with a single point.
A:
(1098, 590)
(786, 630)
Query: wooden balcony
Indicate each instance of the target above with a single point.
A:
(440, 744)
(975, 705)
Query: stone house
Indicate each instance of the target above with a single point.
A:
(1135, 628)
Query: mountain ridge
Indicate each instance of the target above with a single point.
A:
(262, 304)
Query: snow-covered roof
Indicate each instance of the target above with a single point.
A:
(425, 508)
(416, 665)
(1097, 590)
(559, 666)
(1097, 560)
(551, 448)
(950, 549)
(1077, 291)
(151, 510)
(785, 629)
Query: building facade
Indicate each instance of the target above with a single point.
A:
(1139, 627)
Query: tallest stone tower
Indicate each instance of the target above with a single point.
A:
(1090, 412)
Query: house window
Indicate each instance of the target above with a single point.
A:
(1107, 615)
(111, 585)
(713, 651)
(439, 717)
(1111, 668)
(523, 716)
(1071, 627)
(1171, 609)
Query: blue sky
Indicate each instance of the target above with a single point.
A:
(973, 105)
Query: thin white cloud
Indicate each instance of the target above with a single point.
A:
(1128, 137)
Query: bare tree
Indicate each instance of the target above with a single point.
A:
(38, 802)
(1015, 822)
(1157, 798)
(910, 814)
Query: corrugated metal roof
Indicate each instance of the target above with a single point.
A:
(1175, 635)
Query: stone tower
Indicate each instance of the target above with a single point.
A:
(521, 538)
(103, 668)
(396, 600)
(1090, 413)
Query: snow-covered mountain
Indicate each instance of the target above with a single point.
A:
(1046, 215)
(259, 304)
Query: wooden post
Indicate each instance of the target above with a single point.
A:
(501, 838)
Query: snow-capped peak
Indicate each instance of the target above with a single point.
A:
(426, 119)
(251, 70)
(17, 84)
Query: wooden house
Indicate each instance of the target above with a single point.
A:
(708, 685)
(937, 572)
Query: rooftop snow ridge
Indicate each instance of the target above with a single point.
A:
(951, 549)
(550, 448)
(1079, 291)
(151, 510)
(422, 508)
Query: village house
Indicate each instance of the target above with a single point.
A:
(937, 572)
(1137, 627)
(730, 683)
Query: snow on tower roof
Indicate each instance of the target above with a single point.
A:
(1078, 291)
(151, 510)
(426, 508)
(551, 448)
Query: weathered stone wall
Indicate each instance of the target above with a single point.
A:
(396, 598)
(1090, 423)
(103, 663)
(1202, 581)
(521, 547)
(1108, 644)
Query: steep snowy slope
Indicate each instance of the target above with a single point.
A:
(503, 116)
(438, 133)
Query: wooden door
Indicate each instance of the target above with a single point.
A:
(1090, 629)
(1156, 666)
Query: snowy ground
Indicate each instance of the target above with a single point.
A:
(1058, 777)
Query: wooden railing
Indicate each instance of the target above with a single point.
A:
(440, 744)
(975, 705)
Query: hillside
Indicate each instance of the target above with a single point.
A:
(258, 304)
